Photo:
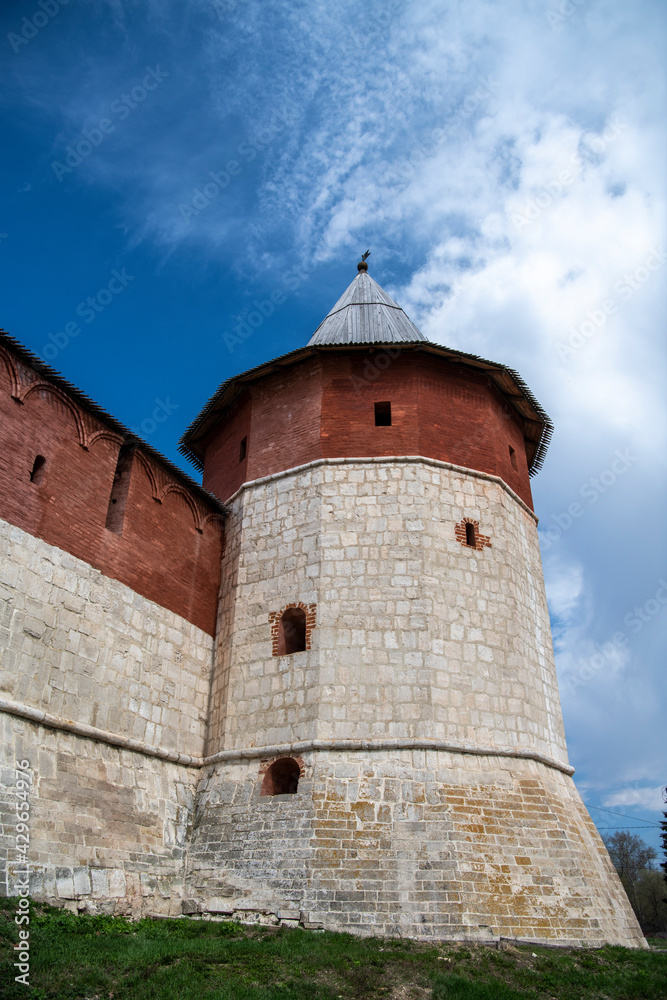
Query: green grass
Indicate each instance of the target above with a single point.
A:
(108, 958)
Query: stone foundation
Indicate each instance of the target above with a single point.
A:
(425, 844)
(419, 844)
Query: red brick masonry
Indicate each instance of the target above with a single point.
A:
(170, 546)
(480, 540)
(324, 407)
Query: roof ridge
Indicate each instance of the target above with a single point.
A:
(347, 305)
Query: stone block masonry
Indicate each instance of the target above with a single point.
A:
(420, 641)
(82, 646)
(434, 800)
(416, 635)
(108, 826)
(429, 845)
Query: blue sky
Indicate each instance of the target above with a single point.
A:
(168, 165)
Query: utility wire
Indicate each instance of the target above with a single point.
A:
(615, 813)
(656, 827)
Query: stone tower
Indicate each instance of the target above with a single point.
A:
(385, 748)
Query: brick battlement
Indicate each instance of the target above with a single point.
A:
(166, 545)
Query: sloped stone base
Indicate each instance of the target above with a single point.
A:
(422, 844)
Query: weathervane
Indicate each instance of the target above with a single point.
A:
(362, 265)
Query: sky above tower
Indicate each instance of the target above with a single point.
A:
(187, 191)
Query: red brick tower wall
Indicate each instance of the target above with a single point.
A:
(280, 417)
(170, 546)
(323, 407)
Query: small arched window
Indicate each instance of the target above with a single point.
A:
(513, 457)
(37, 473)
(470, 534)
(292, 631)
(282, 778)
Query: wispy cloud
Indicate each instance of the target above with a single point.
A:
(645, 798)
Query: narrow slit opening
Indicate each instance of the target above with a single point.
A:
(120, 490)
(37, 473)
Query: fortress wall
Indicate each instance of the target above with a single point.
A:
(82, 646)
(421, 844)
(85, 648)
(416, 634)
(169, 545)
(108, 828)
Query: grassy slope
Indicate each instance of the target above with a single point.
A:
(103, 957)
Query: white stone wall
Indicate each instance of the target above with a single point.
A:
(416, 636)
(84, 647)
(108, 826)
(426, 844)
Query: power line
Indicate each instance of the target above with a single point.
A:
(625, 815)
(655, 827)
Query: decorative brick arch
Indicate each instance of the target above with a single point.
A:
(54, 390)
(462, 535)
(12, 372)
(275, 617)
(105, 435)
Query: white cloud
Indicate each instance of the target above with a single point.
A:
(564, 588)
(643, 798)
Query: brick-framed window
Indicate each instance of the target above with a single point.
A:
(468, 534)
(284, 625)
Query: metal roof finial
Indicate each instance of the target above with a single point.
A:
(362, 265)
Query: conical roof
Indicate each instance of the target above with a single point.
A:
(365, 314)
